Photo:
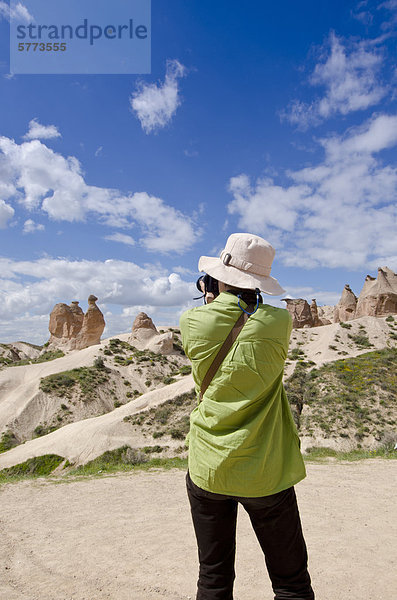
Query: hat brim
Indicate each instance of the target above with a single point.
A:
(239, 278)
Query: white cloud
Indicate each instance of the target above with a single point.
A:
(30, 226)
(113, 281)
(98, 151)
(34, 287)
(18, 12)
(390, 5)
(39, 178)
(37, 131)
(349, 74)
(156, 104)
(6, 213)
(339, 213)
(121, 238)
(308, 293)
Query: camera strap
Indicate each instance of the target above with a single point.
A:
(223, 351)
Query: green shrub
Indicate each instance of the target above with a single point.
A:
(99, 363)
(177, 434)
(151, 449)
(34, 467)
(295, 354)
(177, 346)
(41, 430)
(88, 379)
(361, 340)
(390, 319)
(8, 441)
(121, 456)
(345, 325)
(185, 370)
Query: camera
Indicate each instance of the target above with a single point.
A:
(207, 285)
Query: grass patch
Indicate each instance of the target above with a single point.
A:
(39, 466)
(360, 339)
(47, 356)
(170, 418)
(128, 459)
(296, 354)
(8, 441)
(41, 430)
(317, 453)
(350, 398)
(88, 379)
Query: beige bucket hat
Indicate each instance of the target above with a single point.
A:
(245, 262)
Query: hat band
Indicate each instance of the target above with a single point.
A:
(244, 265)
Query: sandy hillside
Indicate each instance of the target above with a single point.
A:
(130, 537)
(82, 441)
(85, 439)
(19, 384)
(332, 342)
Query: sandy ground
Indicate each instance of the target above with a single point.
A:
(129, 537)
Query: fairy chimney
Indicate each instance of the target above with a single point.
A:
(146, 337)
(379, 296)
(300, 312)
(345, 310)
(71, 329)
(93, 325)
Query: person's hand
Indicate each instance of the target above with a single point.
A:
(209, 296)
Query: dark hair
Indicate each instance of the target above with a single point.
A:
(249, 296)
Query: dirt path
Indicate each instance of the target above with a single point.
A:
(129, 537)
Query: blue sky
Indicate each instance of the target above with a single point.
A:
(279, 120)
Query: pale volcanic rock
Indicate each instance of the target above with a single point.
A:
(16, 351)
(143, 321)
(92, 327)
(71, 329)
(315, 314)
(162, 343)
(61, 319)
(378, 296)
(146, 337)
(300, 312)
(326, 314)
(78, 318)
(345, 310)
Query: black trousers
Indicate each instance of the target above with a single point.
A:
(277, 526)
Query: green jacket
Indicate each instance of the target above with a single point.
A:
(242, 439)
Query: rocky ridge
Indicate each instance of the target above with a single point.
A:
(378, 298)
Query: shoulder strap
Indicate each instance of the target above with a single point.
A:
(223, 351)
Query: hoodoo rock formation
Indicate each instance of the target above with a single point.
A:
(300, 312)
(71, 329)
(304, 315)
(378, 298)
(146, 337)
(346, 307)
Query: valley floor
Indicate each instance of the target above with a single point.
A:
(129, 536)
